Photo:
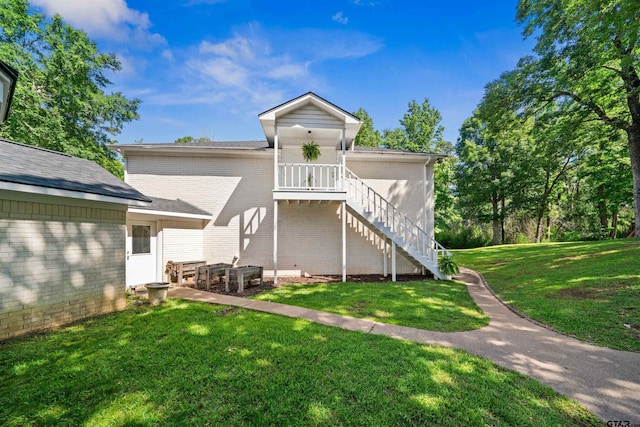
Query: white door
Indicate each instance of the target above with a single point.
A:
(141, 252)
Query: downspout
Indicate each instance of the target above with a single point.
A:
(276, 186)
(344, 212)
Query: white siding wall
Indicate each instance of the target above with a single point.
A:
(59, 263)
(310, 116)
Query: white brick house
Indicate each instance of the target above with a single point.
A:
(62, 239)
(354, 210)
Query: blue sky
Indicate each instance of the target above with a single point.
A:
(209, 67)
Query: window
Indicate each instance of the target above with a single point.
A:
(141, 239)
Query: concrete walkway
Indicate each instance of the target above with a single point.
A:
(603, 380)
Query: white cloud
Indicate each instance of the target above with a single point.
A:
(168, 55)
(109, 19)
(223, 70)
(340, 18)
(288, 71)
(236, 48)
(256, 68)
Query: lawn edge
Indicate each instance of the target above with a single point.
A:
(535, 322)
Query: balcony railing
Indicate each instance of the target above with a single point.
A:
(310, 176)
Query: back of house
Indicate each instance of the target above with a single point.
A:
(349, 210)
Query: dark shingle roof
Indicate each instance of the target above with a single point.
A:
(177, 205)
(24, 164)
(365, 149)
(238, 145)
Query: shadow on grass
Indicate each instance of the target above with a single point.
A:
(444, 306)
(196, 364)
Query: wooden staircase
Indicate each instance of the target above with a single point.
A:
(389, 223)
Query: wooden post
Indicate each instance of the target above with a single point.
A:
(393, 261)
(385, 268)
(275, 242)
(344, 241)
(276, 142)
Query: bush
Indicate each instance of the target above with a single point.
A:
(463, 237)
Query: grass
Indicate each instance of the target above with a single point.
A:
(432, 305)
(195, 364)
(587, 289)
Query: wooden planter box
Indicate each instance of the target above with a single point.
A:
(241, 275)
(206, 273)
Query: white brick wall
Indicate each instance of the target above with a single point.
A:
(181, 241)
(238, 192)
(59, 263)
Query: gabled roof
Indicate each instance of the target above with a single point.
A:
(37, 170)
(269, 118)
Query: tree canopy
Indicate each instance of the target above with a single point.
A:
(548, 141)
(60, 102)
(587, 56)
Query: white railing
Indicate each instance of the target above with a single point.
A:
(310, 176)
(397, 222)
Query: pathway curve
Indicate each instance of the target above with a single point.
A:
(603, 380)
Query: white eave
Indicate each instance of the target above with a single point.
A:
(71, 194)
(186, 151)
(169, 215)
(397, 156)
(268, 118)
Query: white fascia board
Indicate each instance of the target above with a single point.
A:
(57, 192)
(380, 156)
(191, 151)
(307, 195)
(182, 215)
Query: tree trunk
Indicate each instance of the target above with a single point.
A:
(495, 222)
(632, 86)
(502, 215)
(614, 225)
(602, 209)
(542, 209)
(634, 153)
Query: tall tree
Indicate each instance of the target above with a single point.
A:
(587, 54)
(421, 130)
(494, 168)
(367, 136)
(60, 101)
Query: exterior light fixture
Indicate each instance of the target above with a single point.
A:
(8, 80)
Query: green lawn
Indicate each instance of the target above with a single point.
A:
(432, 305)
(587, 289)
(195, 364)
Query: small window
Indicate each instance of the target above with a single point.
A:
(141, 239)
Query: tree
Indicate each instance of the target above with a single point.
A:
(493, 169)
(60, 101)
(420, 130)
(367, 135)
(189, 139)
(607, 178)
(587, 55)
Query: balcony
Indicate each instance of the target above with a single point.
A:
(310, 181)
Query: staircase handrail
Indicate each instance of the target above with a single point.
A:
(399, 224)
